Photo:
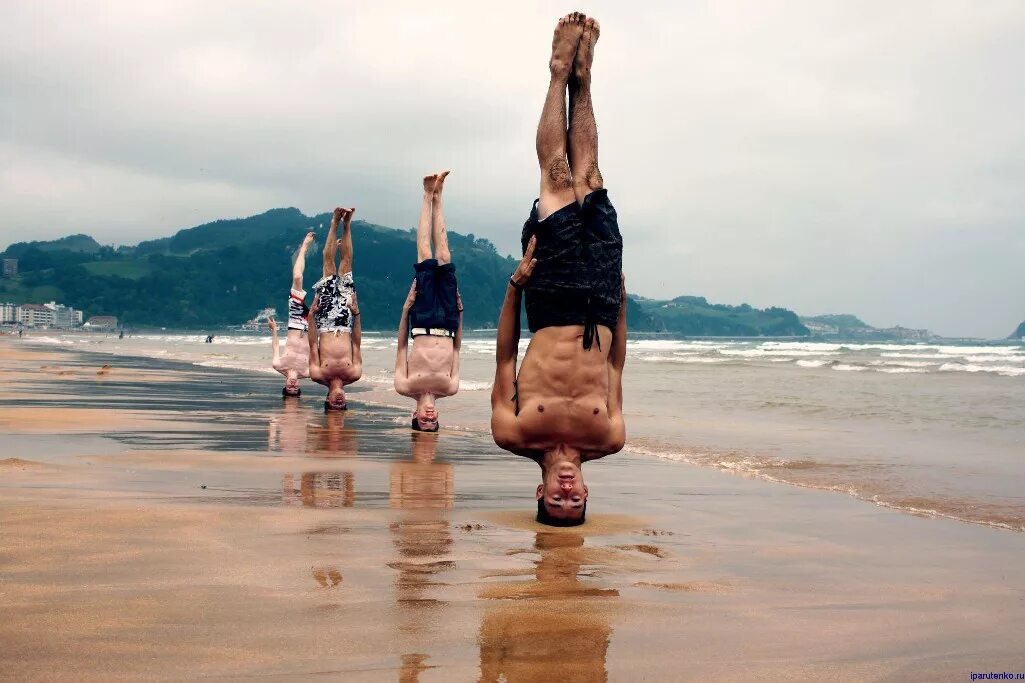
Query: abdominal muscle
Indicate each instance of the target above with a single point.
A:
(563, 389)
(335, 353)
(429, 366)
(296, 356)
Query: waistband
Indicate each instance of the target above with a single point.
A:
(432, 331)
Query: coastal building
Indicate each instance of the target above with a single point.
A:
(8, 313)
(64, 316)
(10, 267)
(35, 315)
(101, 322)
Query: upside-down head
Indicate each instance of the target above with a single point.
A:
(425, 418)
(336, 396)
(291, 387)
(562, 495)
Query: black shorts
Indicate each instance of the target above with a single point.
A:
(577, 280)
(435, 305)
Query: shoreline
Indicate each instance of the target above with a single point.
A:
(789, 471)
(243, 535)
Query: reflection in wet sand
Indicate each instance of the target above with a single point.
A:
(319, 489)
(287, 428)
(422, 489)
(412, 666)
(328, 437)
(289, 431)
(557, 623)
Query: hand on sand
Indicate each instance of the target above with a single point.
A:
(526, 267)
(411, 297)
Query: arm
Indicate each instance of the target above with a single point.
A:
(457, 343)
(504, 422)
(313, 336)
(356, 339)
(401, 362)
(276, 351)
(617, 361)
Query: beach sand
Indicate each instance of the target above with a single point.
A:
(162, 521)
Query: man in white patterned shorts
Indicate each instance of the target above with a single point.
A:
(335, 334)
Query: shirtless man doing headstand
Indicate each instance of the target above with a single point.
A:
(566, 406)
(335, 359)
(294, 363)
(432, 314)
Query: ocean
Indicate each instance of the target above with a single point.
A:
(930, 429)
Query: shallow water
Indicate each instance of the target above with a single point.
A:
(931, 429)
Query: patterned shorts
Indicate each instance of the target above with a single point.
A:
(297, 310)
(335, 292)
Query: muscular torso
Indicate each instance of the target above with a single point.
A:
(296, 355)
(563, 392)
(429, 365)
(336, 358)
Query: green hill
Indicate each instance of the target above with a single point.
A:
(694, 316)
(222, 273)
(77, 243)
(844, 322)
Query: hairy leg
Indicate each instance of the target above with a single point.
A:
(556, 182)
(583, 132)
(423, 228)
(300, 262)
(331, 243)
(439, 231)
(346, 242)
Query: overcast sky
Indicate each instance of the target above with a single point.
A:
(862, 157)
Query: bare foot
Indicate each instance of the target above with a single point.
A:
(308, 240)
(347, 213)
(585, 50)
(429, 181)
(439, 182)
(564, 44)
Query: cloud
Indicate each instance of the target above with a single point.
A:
(828, 157)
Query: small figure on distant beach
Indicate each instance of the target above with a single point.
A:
(565, 406)
(432, 315)
(294, 363)
(334, 325)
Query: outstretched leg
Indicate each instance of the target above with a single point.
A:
(583, 132)
(556, 182)
(300, 262)
(346, 242)
(423, 228)
(331, 244)
(439, 231)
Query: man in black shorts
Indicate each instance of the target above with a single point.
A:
(565, 407)
(432, 315)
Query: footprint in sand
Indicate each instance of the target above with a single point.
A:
(327, 577)
(686, 587)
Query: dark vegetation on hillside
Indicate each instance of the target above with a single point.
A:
(222, 273)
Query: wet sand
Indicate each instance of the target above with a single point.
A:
(159, 521)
